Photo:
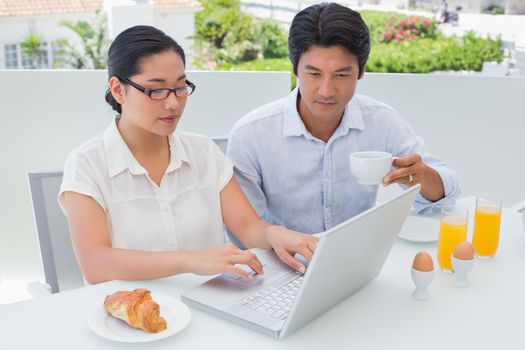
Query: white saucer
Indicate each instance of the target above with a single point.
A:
(175, 312)
(421, 229)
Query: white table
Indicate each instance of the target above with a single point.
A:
(487, 315)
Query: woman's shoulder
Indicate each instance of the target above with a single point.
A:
(199, 150)
(194, 142)
(207, 162)
(92, 149)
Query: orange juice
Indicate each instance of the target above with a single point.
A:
(452, 231)
(486, 230)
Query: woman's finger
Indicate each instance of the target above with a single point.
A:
(238, 271)
(248, 258)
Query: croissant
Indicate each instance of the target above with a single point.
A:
(137, 309)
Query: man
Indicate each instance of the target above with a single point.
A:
(291, 156)
(443, 13)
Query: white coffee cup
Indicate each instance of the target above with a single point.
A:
(370, 167)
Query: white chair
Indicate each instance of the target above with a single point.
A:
(222, 142)
(60, 265)
(495, 69)
(520, 208)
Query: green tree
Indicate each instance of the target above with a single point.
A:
(273, 39)
(224, 34)
(94, 41)
(32, 48)
(400, 44)
(223, 18)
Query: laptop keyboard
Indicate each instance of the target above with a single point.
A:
(275, 302)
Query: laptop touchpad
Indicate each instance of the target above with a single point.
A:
(270, 272)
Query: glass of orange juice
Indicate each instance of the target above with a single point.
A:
(452, 231)
(487, 220)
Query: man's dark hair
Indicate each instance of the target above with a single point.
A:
(131, 48)
(326, 25)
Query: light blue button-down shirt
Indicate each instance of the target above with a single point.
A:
(296, 180)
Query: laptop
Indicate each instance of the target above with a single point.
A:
(347, 257)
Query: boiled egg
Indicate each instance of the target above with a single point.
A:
(464, 251)
(423, 262)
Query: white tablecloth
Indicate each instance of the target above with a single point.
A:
(487, 315)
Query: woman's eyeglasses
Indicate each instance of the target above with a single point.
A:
(162, 94)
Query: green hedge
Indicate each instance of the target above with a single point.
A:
(273, 39)
(226, 35)
(377, 21)
(440, 54)
(272, 65)
(418, 56)
(222, 20)
(424, 50)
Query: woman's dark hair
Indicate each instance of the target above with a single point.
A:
(326, 25)
(130, 48)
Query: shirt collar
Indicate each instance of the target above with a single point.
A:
(120, 158)
(352, 117)
(177, 152)
(293, 124)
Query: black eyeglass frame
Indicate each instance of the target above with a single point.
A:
(148, 92)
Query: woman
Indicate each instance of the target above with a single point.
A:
(144, 201)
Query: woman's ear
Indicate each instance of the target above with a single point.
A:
(117, 89)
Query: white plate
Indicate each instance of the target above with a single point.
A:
(421, 229)
(175, 312)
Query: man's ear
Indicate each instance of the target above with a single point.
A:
(117, 89)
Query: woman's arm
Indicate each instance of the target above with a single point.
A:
(252, 231)
(100, 262)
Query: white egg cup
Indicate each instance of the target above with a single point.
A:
(422, 280)
(461, 270)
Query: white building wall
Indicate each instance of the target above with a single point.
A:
(284, 10)
(180, 25)
(512, 7)
(515, 7)
(122, 16)
(400, 4)
(470, 6)
(14, 29)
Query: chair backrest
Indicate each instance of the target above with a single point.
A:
(495, 69)
(520, 209)
(60, 265)
(222, 142)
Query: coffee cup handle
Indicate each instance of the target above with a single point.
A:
(394, 159)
